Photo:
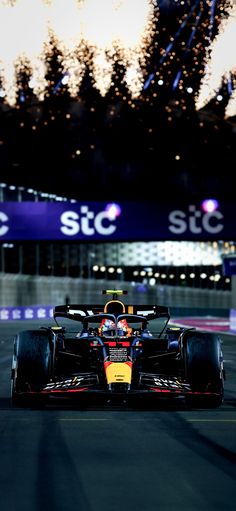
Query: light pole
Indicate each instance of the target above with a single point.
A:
(91, 257)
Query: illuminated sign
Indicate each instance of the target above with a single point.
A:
(102, 221)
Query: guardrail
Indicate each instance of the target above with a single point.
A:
(33, 297)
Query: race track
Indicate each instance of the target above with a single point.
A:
(64, 458)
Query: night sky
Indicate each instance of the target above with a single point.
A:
(157, 145)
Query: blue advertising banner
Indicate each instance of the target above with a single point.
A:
(91, 221)
(30, 312)
(229, 265)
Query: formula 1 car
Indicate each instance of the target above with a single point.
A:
(111, 351)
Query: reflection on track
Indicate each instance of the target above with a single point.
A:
(65, 456)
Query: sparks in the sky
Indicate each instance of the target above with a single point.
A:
(105, 29)
(221, 63)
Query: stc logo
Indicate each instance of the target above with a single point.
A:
(3, 227)
(71, 223)
(196, 221)
(87, 222)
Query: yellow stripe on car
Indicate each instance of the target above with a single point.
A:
(118, 372)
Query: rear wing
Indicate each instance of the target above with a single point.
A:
(79, 312)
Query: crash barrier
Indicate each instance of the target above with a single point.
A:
(33, 297)
(23, 290)
(232, 319)
(34, 312)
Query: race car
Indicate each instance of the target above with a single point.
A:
(117, 350)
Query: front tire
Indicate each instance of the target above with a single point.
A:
(31, 365)
(203, 365)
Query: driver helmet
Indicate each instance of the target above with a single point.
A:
(123, 327)
(107, 327)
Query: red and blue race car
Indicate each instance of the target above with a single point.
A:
(117, 350)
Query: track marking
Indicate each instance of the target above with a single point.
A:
(108, 419)
(89, 419)
(29, 419)
(72, 419)
(144, 420)
(211, 420)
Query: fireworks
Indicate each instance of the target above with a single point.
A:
(85, 29)
(220, 63)
(94, 36)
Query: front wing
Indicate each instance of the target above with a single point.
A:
(162, 386)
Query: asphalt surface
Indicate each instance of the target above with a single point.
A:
(114, 458)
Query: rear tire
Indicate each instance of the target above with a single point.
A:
(203, 360)
(31, 365)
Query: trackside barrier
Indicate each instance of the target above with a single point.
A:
(17, 290)
(232, 319)
(24, 313)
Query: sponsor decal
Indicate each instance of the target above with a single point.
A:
(31, 220)
(87, 222)
(118, 372)
(27, 312)
(3, 223)
(131, 220)
(196, 221)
